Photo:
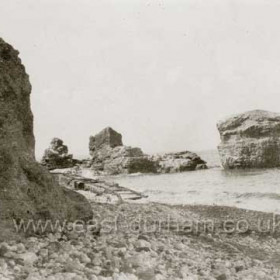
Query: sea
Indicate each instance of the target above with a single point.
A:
(249, 189)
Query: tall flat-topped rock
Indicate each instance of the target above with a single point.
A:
(250, 140)
(27, 190)
(107, 137)
(109, 156)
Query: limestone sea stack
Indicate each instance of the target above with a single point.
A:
(27, 190)
(108, 137)
(57, 157)
(110, 156)
(250, 140)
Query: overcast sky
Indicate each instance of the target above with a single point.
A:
(161, 72)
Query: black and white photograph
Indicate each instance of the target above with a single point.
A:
(139, 139)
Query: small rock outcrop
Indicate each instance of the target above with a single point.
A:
(57, 157)
(179, 162)
(250, 140)
(109, 156)
(27, 190)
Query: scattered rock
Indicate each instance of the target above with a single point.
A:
(221, 277)
(117, 256)
(142, 245)
(250, 140)
(146, 273)
(4, 248)
(28, 258)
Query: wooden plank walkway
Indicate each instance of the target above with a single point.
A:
(98, 187)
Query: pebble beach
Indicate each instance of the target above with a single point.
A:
(131, 245)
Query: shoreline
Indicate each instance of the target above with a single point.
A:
(114, 180)
(150, 241)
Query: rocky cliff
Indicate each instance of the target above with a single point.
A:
(57, 157)
(250, 140)
(27, 190)
(109, 156)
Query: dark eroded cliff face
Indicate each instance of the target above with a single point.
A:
(27, 190)
(250, 140)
